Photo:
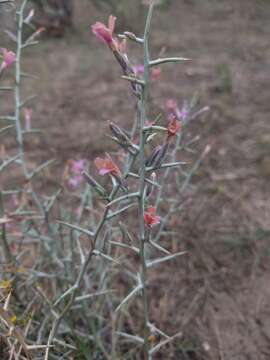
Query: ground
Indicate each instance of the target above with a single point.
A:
(221, 288)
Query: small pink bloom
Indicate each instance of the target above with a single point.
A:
(8, 59)
(73, 173)
(138, 69)
(173, 110)
(75, 181)
(150, 217)
(103, 32)
(171, 107)
(77, 166)
(107, 166)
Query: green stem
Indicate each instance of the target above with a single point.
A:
(17, 89)
(141, 200)
(6, 249)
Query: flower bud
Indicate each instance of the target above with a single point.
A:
(156, 158)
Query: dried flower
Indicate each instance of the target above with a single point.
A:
(107, 166)
(150, 217)
(8, 59)
(173, 127)
(157, 156)
(120, 135)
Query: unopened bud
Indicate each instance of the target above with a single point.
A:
(156, 158)
(93, 183)
(150, 187)
(120, 135)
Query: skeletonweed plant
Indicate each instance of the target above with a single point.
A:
(112, 239)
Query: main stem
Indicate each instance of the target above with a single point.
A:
(17, 90)
(143, 104)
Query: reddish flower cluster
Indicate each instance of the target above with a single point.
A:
(150, 217)
(107, 166)
(105, 34)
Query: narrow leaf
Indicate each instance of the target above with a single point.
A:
(125, 246)
(134, 338)
(128, 297)
(78, 228)
(110, 216)
(158, 261)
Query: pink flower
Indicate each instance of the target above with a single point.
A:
(105, 33)
(150, 217)
(107, 166)
(77, 166)
(138, 69)
(73, 173)
(75, 181)
(173, 110)
(8, 59)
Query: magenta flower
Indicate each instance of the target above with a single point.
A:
(138, 69)
(8, 59)
(77, 166)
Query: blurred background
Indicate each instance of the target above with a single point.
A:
(222, 292)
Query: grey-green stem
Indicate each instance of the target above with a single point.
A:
(141, 200)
